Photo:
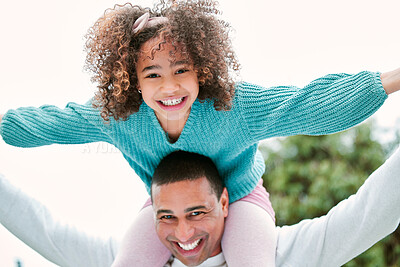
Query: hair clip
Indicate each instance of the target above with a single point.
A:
(144, 21)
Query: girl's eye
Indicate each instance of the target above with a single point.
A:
(153, 75)
(182, 71)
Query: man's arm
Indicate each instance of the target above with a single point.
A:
(350, 228)
(61, 244)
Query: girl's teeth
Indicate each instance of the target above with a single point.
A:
(189, 246)
(172, 102)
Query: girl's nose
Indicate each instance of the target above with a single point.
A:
(170, 85)
(184, 231)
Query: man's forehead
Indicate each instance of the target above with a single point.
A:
(182, 195)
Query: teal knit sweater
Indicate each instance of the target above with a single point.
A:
(230, 138)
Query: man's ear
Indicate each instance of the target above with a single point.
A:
(225, 202)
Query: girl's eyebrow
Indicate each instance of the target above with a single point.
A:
(179, 62)
(152, 67)
(172, 64)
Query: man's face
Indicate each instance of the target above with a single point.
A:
(190, 219)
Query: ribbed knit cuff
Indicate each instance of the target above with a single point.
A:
(11, 132)
(3, 127)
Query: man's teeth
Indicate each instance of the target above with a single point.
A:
(189, 246)
(172, 102)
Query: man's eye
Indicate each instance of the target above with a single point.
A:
(196, 213)
(153, 75)
(167, 217)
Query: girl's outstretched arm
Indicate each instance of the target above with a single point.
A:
(327, 105)
(45, 125)
(390, 81)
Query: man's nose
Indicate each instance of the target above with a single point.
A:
(184, 231)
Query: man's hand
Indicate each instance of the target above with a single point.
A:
(390, 81)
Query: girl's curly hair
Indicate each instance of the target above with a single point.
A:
(113, 50)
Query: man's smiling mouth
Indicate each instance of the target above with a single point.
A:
(189, 246)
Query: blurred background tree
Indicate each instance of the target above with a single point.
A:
(308, 175)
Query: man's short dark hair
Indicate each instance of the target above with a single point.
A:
(181, 166)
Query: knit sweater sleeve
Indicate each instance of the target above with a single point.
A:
(60, 243)
(32, 127)
(327, 105)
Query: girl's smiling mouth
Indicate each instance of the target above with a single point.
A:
(172, 103)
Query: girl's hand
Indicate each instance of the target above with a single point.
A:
(390, 81)
(1, 116)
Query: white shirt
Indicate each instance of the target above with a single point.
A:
(216, 261)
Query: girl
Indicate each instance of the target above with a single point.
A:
(165, 83)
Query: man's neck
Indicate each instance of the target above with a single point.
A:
(216, 261)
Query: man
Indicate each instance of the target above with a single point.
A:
(190, 212)
(190, 204)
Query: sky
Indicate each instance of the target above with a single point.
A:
(286, 42)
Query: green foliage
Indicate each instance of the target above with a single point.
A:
(306, 176)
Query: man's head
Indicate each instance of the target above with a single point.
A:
(190, 205)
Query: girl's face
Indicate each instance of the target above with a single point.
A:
(169, 85)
